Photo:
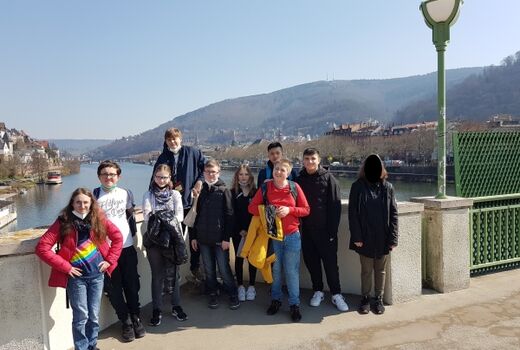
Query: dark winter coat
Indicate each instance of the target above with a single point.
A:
(241, 216)
(375, 244)
(214, 222)
(190, 169)
(323, 195)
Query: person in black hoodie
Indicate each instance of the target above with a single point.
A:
(320, 228)
(187, 164)
(372, 216)
(212, 232)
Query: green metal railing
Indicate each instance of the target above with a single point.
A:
(495, 234)
(487, 169)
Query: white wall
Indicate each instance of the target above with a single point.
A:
(34, 315)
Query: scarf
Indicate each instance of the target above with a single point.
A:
(82, 225)
(162, 195)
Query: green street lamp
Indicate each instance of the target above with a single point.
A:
(440, 15)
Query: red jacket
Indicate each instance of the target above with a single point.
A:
(60, 262)
(283, 197)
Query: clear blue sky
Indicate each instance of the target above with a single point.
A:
(106, 69)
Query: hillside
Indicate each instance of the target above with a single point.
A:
(77, 147)
(306, 109)
(496, 90)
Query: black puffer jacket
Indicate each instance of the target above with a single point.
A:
(323, 195)
(214, 222)
(378, 243)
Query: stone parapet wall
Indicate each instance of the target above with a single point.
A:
(34, 316)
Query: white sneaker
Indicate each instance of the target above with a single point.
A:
(317, 298)
(241, 293)
(339, 301)
(251, 293)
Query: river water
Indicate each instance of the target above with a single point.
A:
(41, 204)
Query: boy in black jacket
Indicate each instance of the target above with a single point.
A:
(212, 232)
(320, 228)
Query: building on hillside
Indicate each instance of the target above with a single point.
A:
(409, 128)
(25, 157)
(504, 121)
(362, 129)
(6, 144)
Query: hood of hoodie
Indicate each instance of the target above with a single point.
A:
(373, 167)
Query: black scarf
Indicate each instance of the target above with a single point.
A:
(82, 225)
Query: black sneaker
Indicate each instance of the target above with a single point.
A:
(379, 308)
(156, 318)
(128, 330)
(138, 327)
(296, 316)
(364, 306)
(179, 313)
(274, 307)
(233, 302)
(213, 301)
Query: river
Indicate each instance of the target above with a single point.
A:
(41, 204)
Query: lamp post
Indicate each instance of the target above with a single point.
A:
(440, 15)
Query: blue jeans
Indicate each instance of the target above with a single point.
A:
(213, 255)
(85, 298)
(287, 258)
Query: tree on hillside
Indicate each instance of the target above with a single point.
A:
(39, 166)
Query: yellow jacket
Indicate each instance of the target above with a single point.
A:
(257, 248)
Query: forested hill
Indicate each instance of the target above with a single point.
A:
(306, 109)
(496, 90)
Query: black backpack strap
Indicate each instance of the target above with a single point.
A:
(263, 188)
(292, 188)
(96, 192)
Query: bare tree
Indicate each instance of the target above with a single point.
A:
(39, 166)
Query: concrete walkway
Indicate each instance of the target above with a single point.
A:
(485, 316)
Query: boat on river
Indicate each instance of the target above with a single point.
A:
(53, 178)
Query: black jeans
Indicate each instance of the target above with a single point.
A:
(239, 265)
(194, 255)
(158, 265)
(317, 250)
(123, 286)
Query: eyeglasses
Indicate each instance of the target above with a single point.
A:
(108, 175)
(161, 177)
(211, 172)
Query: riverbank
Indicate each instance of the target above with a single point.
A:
(20, 185)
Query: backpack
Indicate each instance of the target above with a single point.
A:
(292, 188)
(132, 223)
(270, 210)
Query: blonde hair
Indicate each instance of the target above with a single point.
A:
(286, 163)
(250, 182)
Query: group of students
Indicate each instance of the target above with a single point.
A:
(295, 213)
